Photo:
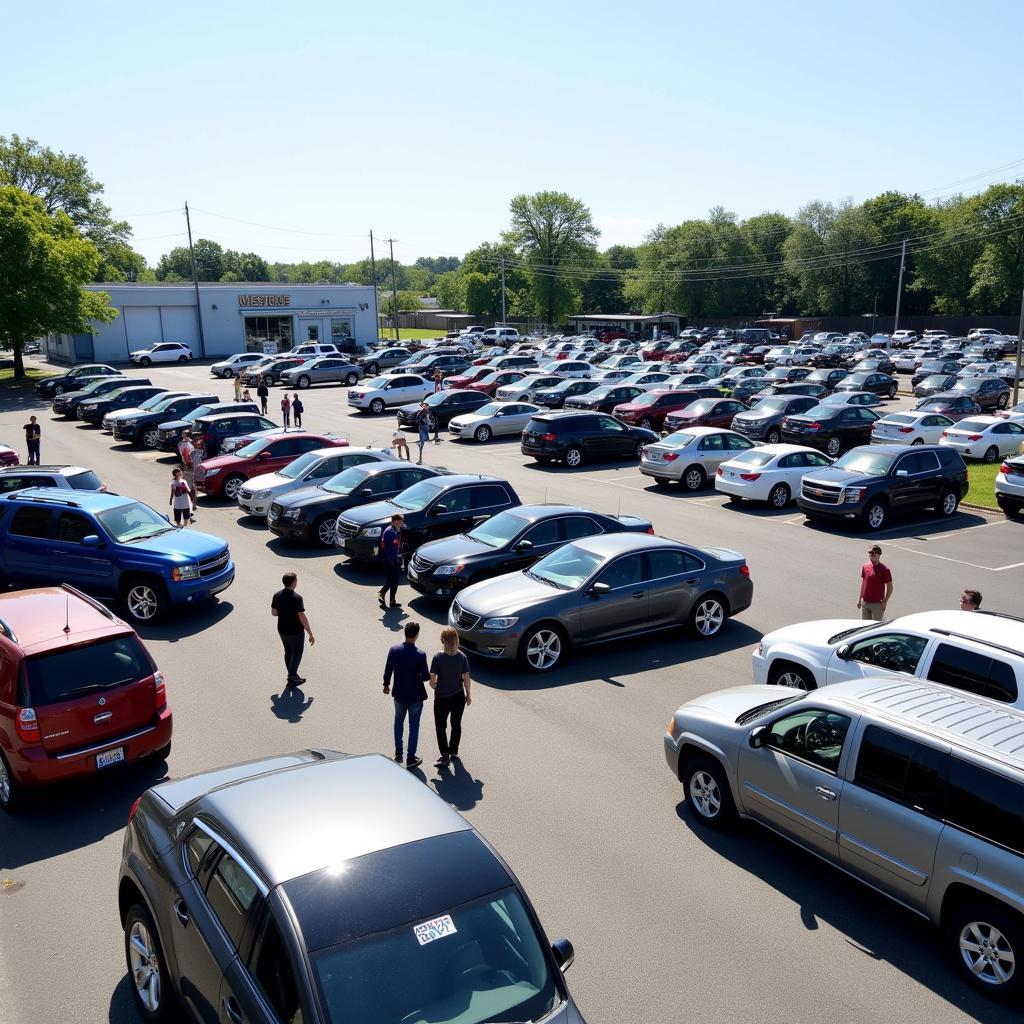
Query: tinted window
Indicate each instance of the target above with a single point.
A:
(273, 973)
(813, 735)
(579, 526)
(231, 893)
(543, 533)
(31, 522)
(883, 761)
(986, 804)
(61, 675)
(195, 849)
(624, 572)
(71, 528)
(975, 673)
(670, 563)
(488, 496)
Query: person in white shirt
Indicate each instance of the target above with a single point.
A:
(400, 444)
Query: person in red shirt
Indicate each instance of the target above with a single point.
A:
(875, 586)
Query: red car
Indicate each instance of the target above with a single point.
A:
(650, 409)
(955, 408)
(705, 412)
(79, 693)
(496, 379)
(223, 475)
(8, 456)
(471, 376)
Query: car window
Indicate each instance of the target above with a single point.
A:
(487, 496)
(623, 572)
(901, 769)
(737, 443)
(898, 652)
(575, 527)
(231, 893)
(196, 845)
(661, 564)
(973, 672)
(985, 804)
(813, 735)
(543, 534)
(610, 426)
(71, 528)
(271, 967)
(31, 522)
(712, 443)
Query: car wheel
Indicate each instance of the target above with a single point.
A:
(693, 479)
(992, 455)
(892, 392)
(1004, 400)
(182, 359)
(574, 458)
(233, 485)
(917, 440)
(377, 406)
(646, 423)
(58, 390)
(707, 793)
(542, 648)
(143, 599)
(373, 369)
(351, 380)
(987, 942)
(151, 984)
(949, 504)
(304, 381)
(875, 515)
(163, 753)
(150, 437)
(773, 435)
(778, 496)
(269, 380)
(708, 616)
(832, 446)
(11, 792)
(787, 674)
(482, 434)
(325, 531)
(145, 361)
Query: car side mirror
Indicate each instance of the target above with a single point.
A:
(901, 472)
(263, 455)
(92, 541)
(439, 510)
(599, 588)
(524, 545)
(563, 953)
(758, 737)
(844, 652)
(365, 492)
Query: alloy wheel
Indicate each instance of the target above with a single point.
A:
(773, 437)
(876, 516)
(303, 381)
(795, 680)
(693, 480)
(779, 497)
(573, 458)
(483, 434)
(5, 784)
(232, 486)
(705, 794)
(949, 503)
(987, 953)
(325, 532)
(832, 446)
(992, 454)
(543, 649)
(142, 602)
(709, 616)
(145, 965)
(151, 438)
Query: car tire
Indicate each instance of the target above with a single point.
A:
(12, 793)
(482, 434)
(147, 969)
(659, 482)
(143, 599)
(269, 380)
(542, 648)
(693, 478)
(832, 447)
(377, 406)
(542, 460)
(148, 437)
(351, 380)
(145, 361)
(708, 615)
(232, 485)
(773, 436)
(646, 423)
(989, 932)
(574, 458)
(948, 504)
(876, 515)
(373, 369)
(58, 389)
(324, 531)
(707, 794)
(1004, 400)
(917, 440)
(992, 455)
(164, 752)
(785, 673)
(892, 392)
(182, 359)
(779, 496)
(303, 382)
(1011, 509)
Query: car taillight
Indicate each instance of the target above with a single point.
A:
(671, 456)
(1005, 468)
(906, 430)
(547, 437)
(974, 437)
(814, 426)
(718, 472)
(744, 570)
(26, 724)
(945, 433)
(135, 807)
(160, 693)
(750, 476)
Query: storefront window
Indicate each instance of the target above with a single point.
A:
(262, 329)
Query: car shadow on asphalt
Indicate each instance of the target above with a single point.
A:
(905, 527)
(122, 1004)
(605, 663)
(186, 622)
(71, 815)
(287, 549)
(871, 923)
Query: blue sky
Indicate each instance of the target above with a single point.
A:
(422, 122)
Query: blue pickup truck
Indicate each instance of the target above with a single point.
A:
(110, 546)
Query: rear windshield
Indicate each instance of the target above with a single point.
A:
(63, 675)
(754, 458)
(973, 426)
(85, 481)
(899, 417)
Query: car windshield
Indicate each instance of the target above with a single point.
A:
(973, 426)
(92, 388)
(159, 402)
(347, 481)
(300, 466)
(863, 460)
(753, 458)
(87, 480)
(567, 568)
(646, 399)
(967, 385)
(488, 410)
(254, 447)
(678, 439)
(203, 410)
(497, 531)
(769, 405)
(701, 406)
(437, 398)
(377, 383)
(127, 523)
(417, 497)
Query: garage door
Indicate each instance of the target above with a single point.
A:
(142, 324)
(180, 325)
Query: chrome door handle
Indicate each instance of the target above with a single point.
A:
(181, 911)
(637, 594)
(825, 793)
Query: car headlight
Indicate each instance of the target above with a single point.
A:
(262, 494)
(502, 622)
(129, 423)
(853, 494)
(211, 472)
(448, 570)
(293, 513)
(185, 572)
(671, 728)
(370, 531)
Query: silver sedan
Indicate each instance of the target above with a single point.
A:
(493, 420)
(691, 457)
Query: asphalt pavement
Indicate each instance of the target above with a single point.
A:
(564, 772)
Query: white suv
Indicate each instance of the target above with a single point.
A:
(981, 652)
(164, 352)
(500, 336)
(313, 351)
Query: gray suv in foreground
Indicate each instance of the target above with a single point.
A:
(911, 787)
(329, 889)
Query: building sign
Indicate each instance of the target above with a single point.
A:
(263, 301)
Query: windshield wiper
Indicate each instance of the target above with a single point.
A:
(95, 686)
(541, 579)
(149, 536)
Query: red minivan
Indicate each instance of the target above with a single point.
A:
(79, 693)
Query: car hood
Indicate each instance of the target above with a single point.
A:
(174, 424)
(843, 477)
(733, 701)
(364, 515)
(126, 414)
(811, 634)
(223, 462)
(264, 480)
(507, 595)
(312, 494)
(466, 418)
(141, 352)
(454, 549)
(188, 545)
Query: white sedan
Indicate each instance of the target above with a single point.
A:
(1016, 413)
(984, 437)
(910, 428)
(165, 352)
(397, 389)
(493, 420)
(256, 496)
(769, 473)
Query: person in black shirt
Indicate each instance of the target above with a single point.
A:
(292, 626)
(406, 668)
(449, 679)
(32, 435)
(262, 391)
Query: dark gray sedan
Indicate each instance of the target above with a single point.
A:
(599, 589)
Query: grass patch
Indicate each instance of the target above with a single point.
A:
(982, 490)
(32, 374)
(408, 334)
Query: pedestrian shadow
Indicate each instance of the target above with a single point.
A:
(290, 704)
(393, 618)
(456, 786)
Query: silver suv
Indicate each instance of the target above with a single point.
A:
(326, 370)
(911, 787)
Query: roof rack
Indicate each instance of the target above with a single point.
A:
(21, 496)
(998, 615)
(978, 640)
(101, 608)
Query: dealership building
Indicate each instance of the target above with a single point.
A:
(238, 317)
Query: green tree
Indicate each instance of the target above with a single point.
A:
(764, 237)
(177, 264)
(450, 290)
(891, 217)
(945, 264)
(999, 270)
(44, 261)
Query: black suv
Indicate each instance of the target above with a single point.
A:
(604, 398)
(554, 398)
(933, 384)
(67, 404)
(508, 542)
(144, 427)
(830, 428)
(575, 437)
(448, 365)
(170, 431)
(309, 514)
(69, 381)
(439, 507)
(210, 432)
(764, 420)
(94, 409)
(873, 481)
(444, 406)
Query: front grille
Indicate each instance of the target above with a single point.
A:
(247, 495)
(274, 513)
(825, 494)
(212, 566)
(464, 619)
(421, 565)
(346, 529)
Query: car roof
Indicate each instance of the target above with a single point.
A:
(59, 467)
(326, 813)
(89, 501)
(227, 415)
(35, 619)
(608, 545)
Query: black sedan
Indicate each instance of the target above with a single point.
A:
(94, 409)
(828, 378)
(831, 356)
(67, 404)
(576, 437)
(444, 406)
(50, 386)
(934, 384)
(511, 541)
(308, 515)
(599, 589)
(604, 398)
(868, 380)
(832, 429)
(875, 364)
(931, 367)
(786, 374)
(554, 398)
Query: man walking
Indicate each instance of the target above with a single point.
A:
(187, 453)
(33, 433)
(286, 410)
(391, 552)
(292, 626)
(297, 410)
(262, 393)
(875, 586)
(423, 427)
(407, 666)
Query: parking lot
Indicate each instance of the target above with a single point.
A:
(563, 772)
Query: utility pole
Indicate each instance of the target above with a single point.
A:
(503, 314)
(899, 292)
(874, 314)
(373, 281)
(195, 284)
(1020, 345)
(394, 286)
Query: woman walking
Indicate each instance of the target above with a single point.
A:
(449, 679)
(423, 429)
(238, 386)
(262, 392)
(286, 409)
(183, 500)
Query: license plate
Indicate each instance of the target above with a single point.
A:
(109, 757)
